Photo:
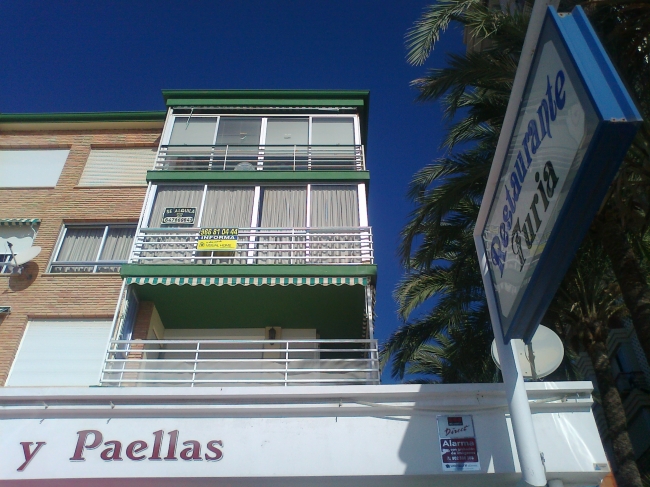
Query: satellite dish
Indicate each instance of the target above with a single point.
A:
(27, 255)
(541, 357)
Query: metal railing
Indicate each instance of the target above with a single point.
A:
(94, 266)
(257, 246)
(193, 363)
(261, 157)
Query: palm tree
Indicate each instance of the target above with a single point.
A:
(624, 28)
(480, 83)
(587, 301)
(437, 246)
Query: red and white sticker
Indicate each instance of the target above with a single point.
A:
(458, 444)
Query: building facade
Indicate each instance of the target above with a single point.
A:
(201, 310)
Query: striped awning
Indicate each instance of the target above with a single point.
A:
(8, 222)
(249, 281)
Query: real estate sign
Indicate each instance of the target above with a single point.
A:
(574, 125)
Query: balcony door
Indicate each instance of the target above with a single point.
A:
(188, 141)
(286, 144)
(238, 142)
(332, 143)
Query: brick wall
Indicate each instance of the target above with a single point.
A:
(36, 294)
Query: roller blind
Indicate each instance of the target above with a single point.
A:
(31, 168)
(61, 353)
(118, 167)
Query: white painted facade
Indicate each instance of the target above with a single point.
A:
(268, 436)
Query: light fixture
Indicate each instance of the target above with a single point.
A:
(271, 333)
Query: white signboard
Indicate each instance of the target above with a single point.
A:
(573, 126)
(458, 449)
(539, 170)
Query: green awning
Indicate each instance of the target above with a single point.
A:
(8, 222)
(249, 281)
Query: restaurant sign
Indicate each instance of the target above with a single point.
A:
(178, 216)
(574, 125)
(217, 239)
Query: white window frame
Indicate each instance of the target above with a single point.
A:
(171, 117)
(98, 263)
(362, 206)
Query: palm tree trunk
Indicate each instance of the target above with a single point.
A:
(627, 474)
(627, 269)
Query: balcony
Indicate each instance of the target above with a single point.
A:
(193, 363)
(260, 157)
(338, 246)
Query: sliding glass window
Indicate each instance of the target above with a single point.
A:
(93, 248)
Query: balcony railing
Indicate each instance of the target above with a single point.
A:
(261, 157)
(193, 363)
(257, 246)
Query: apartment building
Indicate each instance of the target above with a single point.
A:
(58, 192)
(201, 310)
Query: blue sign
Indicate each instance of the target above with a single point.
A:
(574, 126)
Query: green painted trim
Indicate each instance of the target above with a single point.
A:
(154, 116)
(206, 176)
(275, 95)
(223, 270)
(268, 102)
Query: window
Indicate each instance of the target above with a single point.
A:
(118, 167)
(201, 130)
(245, 142)
(61, 353)
(93, 248)
(31, 168)
(331, 206)
(21, 238)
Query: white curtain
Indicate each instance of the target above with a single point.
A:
(283, 208)
(177, 244)
(116, 247)
(228, 207)
(334, 207)
(79, 245)
(188, 196)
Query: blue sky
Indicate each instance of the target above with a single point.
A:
(68, 56)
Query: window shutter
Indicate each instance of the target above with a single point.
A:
(118, 167)
(31, 168)
(61, 353)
